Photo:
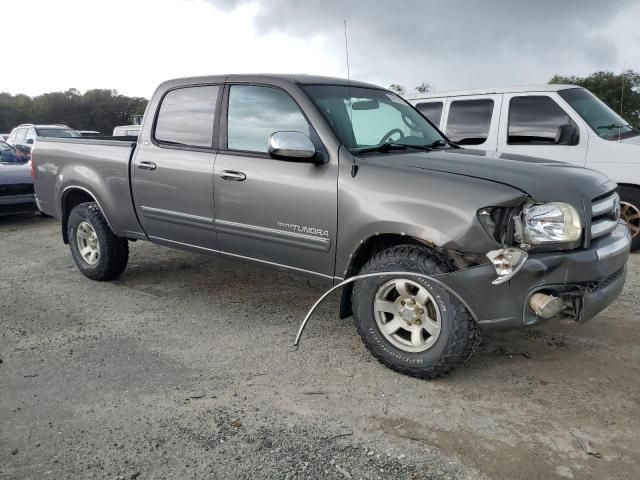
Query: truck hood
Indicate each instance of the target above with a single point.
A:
(543, 180)
(12, 173)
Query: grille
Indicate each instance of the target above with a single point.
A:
(605, 214)
(600, 284)
(16, 189)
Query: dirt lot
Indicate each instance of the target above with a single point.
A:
(183, 368)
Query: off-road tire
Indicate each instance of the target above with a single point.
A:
(114, 251)
(460, 334)
(631, 195)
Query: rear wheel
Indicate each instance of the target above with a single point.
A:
(410, 324)
(98, 252)
(630, 212)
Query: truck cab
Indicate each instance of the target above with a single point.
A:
(566, 123)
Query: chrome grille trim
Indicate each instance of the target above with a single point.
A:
(603, 206)
(606, 213)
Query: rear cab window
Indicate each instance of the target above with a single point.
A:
(186, 117)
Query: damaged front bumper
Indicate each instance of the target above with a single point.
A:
(587, 280)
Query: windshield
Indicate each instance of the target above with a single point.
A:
(604, 121)
(57, 132)
(366, 117)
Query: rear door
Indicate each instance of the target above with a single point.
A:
(172, 172)
(281, 213)
(473, 121)
(530, 123)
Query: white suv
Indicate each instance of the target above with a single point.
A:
(559, 122)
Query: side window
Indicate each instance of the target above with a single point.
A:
(21, 136)
(31, 134)
(534, 120)
(431, 110)
(186, 116)
(256, 112)
(469, 121)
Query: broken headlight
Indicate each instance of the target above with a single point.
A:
(544, 223)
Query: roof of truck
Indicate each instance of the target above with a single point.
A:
(486, 91)
(301, 79)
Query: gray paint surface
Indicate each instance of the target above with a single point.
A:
(274, 215)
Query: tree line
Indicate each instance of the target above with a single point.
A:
(621, 92)
(98, 109)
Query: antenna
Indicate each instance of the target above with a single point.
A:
(624, 66)
(354, 166)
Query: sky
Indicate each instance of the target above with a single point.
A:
(133, 45)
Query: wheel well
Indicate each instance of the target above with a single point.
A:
(364, 252)
(71, 198)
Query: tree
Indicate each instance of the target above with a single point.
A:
(399, 89)
(611, 88)
(97, 109)
(424, 87)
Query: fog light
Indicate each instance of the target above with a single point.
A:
(507, 262)
(545, 306)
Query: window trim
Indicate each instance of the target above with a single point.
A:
(216, 120)
(551, 144)
(492, 113)
(224, 125)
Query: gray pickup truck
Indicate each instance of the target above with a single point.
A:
(330, 179)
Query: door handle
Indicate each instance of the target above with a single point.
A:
(233, 176)
(146, 165)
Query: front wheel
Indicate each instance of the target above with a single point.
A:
(99, 254)
(410, 324)
(630, 213)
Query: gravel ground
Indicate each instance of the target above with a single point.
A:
(183, 368)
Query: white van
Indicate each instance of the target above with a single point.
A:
(126, 131)
(558, 122)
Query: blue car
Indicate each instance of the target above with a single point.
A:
(16, 183)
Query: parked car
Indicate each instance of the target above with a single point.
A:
(89, 133)
(16, 183)
(26, 134)
(558, 122)
(327, 179)
(126, 131)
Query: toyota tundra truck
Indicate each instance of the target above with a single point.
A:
(334, 179)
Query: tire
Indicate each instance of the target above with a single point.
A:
(113, 252)
(457, 337)
(630, 203)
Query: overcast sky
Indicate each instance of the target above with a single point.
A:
(132, 45)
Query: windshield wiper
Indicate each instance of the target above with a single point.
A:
(383, 147)
(612, 126)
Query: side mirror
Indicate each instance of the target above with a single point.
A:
(30, 141)
(292, 146)
(567, 134)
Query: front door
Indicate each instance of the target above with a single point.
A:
(172, 172)
(281, 213)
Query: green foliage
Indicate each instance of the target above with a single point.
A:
(608, 87)
(98, 109)
(399, 89)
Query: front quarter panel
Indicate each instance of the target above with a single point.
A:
(434, 207)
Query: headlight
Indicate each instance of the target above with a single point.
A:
(554, 222)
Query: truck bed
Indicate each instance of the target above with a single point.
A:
(97, 165)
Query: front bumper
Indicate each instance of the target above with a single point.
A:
(589, 280)
(10, 204)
